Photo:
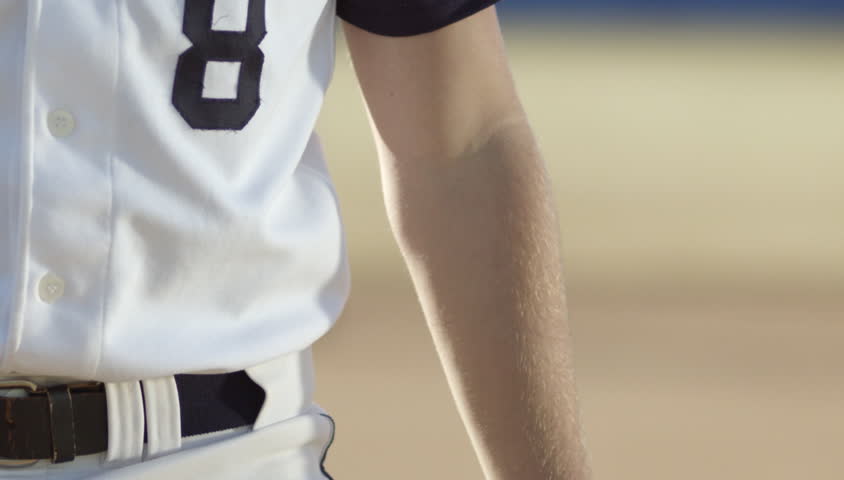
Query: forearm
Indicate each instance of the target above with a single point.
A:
(479, 234)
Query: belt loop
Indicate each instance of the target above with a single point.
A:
(288, 383)
(125, 421)
(62, 429)
(163, 416)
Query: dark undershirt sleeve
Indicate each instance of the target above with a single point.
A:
(399, 18)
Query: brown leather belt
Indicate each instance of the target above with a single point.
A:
(61, 422)
(52, 423)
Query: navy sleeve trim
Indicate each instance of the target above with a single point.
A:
(396, 18)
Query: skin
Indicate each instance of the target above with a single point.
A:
(470, 204)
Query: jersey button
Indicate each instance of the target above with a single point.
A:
(50, 288)
(61, 123)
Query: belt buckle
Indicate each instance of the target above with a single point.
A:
(32, 388)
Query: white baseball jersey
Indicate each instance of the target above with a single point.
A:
(164, 203)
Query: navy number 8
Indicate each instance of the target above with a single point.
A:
(222, 46)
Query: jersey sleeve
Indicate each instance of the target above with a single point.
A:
(399, 18)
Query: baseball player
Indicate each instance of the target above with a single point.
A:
(171, 246)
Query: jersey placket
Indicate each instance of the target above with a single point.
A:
(71, 73)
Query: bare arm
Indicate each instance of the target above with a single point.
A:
(469, 201)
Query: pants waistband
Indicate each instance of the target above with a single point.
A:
(147, 413)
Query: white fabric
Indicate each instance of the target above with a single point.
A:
(170, 249)
(229, 15)
(163, 417)
(125, 421)
(220, 80)
(277, 377)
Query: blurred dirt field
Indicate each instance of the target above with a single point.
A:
(700, 179)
